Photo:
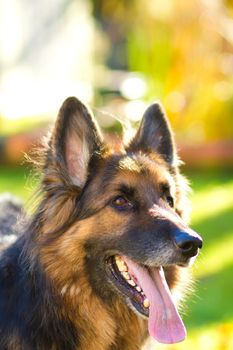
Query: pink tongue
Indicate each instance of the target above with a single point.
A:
(165, 324)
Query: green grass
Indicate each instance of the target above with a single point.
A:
(18, 181)
(209, 311)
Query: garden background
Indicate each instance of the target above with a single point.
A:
(118, 56)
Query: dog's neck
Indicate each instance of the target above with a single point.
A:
(131, 331)
(113, 328)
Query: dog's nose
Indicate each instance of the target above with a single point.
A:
(187, 243)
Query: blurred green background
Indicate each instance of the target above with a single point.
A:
(118, 56)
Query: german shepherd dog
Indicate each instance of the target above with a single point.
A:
(103, 260)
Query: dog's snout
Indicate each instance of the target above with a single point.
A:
(187, 243)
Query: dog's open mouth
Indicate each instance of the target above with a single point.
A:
(128, 284)
(148, 292)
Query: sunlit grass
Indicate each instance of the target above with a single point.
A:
(216, 337)
(208, 263)
(211, 201)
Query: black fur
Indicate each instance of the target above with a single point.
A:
(155, 134)
(29, 308)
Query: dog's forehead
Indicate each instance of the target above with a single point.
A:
(138, 170)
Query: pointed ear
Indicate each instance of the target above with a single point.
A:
(154, 134)
(74, 140)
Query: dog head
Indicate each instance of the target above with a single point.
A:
(119, 216)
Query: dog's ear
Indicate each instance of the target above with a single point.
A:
(75, 139)
(154, 134)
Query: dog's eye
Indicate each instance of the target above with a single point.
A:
(170, 201)
(121, 203)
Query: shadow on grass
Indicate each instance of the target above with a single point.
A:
(216, 228)
(207, 179)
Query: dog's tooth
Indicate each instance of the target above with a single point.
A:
(118, 258)
(132, 283)
(146, 303)
(138, 288)
(126, 275)
(121, 266)
(118, 262)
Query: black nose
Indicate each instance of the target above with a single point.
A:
(187, 243)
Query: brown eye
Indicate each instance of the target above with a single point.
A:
(170, 201)
(121, 203)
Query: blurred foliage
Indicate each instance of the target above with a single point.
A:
(184, 48)
(8, 127)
